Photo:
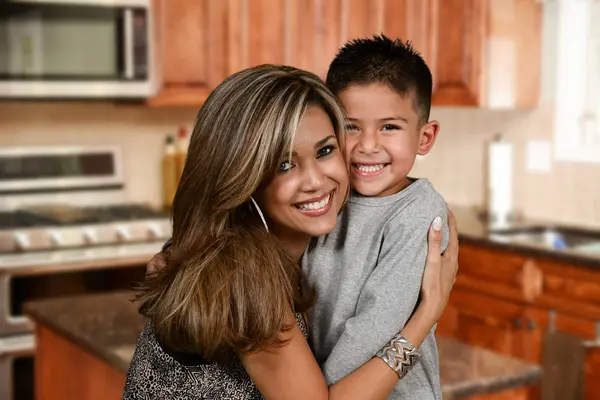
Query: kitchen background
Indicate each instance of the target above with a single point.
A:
(523, 70)
(569, 192)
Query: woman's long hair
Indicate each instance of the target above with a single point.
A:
(228, 285)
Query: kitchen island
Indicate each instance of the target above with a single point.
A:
(85, 345)
(519, 286)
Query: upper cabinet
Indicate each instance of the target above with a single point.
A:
(273, 32)
(485, 53)
(307, 34)
(482, 53)
(191, 50)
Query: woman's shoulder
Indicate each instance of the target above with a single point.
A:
(157, 373)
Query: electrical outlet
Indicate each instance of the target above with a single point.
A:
(538, 156)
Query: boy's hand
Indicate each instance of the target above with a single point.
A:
(157, 262)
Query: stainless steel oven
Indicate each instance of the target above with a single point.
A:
(65, 228)
(16, 367)
(76, 49)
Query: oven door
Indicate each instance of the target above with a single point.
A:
(16, 367)
(75, 49)
(21, 285)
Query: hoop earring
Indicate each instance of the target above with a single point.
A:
(262, 217)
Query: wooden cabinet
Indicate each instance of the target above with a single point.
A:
(64, 370)
(485, 53)
(484, 321)
(497, 324)
(277, 32)
(307, 34)
(482, 53)
(190, 50)
(506, 302)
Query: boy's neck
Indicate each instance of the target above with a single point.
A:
(403, 184)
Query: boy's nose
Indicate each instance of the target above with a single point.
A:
(368, 144)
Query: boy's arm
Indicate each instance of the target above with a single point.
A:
(390, 294)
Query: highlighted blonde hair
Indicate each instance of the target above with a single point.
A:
(228, 285)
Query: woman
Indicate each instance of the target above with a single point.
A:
(225, 313)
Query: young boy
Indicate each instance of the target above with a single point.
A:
(368, 271)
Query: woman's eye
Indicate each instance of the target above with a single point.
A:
(285, 166)
(325, 151)
(351, 127)
(390, 127)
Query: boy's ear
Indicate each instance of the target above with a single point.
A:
(427, 136)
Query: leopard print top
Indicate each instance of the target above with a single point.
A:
(154, 374)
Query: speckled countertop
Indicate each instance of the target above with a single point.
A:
(468, 371)
(108, 325)
(472, 228)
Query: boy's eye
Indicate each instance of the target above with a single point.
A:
(390, 127)
(285, 166)
(325, 151)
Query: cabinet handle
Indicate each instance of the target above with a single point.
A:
(517, 323)
(531, 324)
(531, 280)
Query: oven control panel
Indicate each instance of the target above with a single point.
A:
(25, 240)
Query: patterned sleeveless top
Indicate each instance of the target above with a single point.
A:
(155, 374)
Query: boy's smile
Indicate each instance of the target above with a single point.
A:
(383, 138)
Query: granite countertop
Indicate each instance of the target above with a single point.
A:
(466, 370)
(473, 228)
(108, 326)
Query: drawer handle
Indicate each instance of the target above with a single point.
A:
(531, 280)
(518, 323)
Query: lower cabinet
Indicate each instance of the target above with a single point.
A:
(507, 302)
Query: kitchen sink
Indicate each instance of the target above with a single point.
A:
(557, 238)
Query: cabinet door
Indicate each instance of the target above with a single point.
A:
(344, 20)
(456, 34)
(190, 49)
(307, 34)
(277, 32)
(485, 52)
(531, 336)
(487, 322)
(448, 323)
(592, 373)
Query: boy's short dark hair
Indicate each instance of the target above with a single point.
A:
(382, 60)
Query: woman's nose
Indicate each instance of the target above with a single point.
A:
(313, 178)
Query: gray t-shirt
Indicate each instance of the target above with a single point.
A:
(367, 274)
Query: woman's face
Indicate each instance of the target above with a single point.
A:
(308, 191)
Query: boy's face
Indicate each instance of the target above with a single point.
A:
(383, 138)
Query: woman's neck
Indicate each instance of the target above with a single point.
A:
(293, 245)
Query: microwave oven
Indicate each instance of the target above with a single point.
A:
(76, 49)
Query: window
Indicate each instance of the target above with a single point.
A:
(577, 81)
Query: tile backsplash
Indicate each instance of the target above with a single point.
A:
(569, 193)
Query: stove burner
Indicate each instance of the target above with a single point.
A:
(127, 212)
(77, 216)
(21, 219)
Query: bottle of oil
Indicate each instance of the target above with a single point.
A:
(169, 171)
(181, 150)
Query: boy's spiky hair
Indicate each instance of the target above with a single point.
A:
(382, 60)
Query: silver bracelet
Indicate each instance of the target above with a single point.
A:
(400, 355)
